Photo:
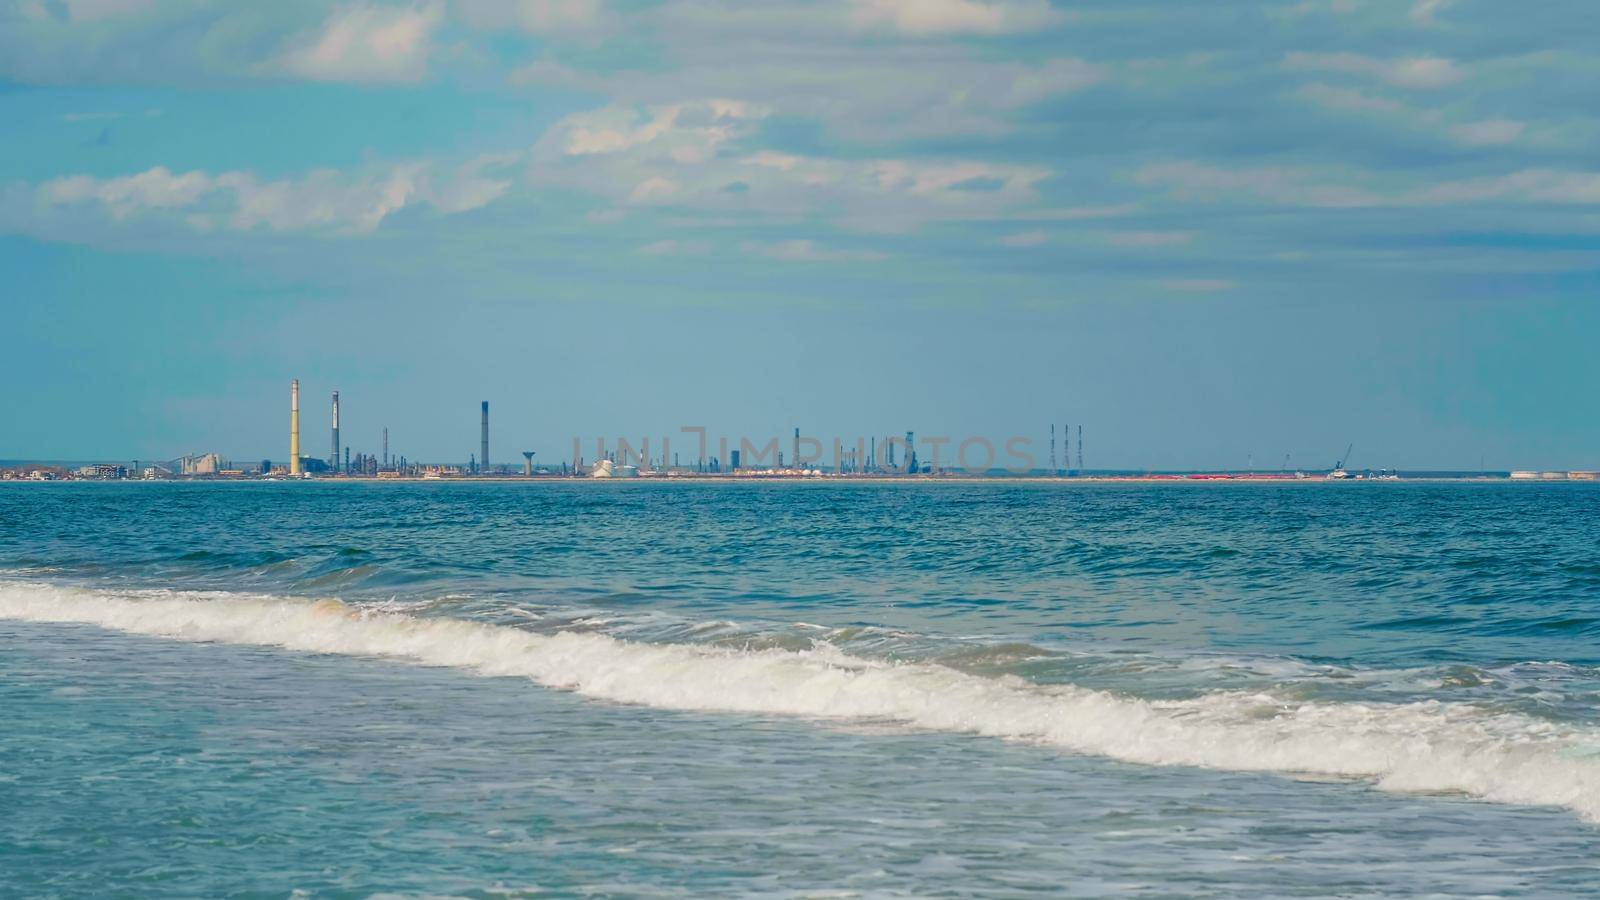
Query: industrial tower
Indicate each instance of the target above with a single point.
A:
(483, 458)
(294, 427)
(333, 461)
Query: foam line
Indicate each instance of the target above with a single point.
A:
(1429, 746)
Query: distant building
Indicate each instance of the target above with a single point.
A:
(205, 464)
(1530, 475)
(102, 470)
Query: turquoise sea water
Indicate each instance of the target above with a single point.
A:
(799, 689)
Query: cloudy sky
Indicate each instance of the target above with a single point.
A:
(1209, 232)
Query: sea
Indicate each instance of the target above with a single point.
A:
(642, 688)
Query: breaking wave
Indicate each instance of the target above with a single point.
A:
(1429, 746)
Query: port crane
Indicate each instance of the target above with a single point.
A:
(1338, 466)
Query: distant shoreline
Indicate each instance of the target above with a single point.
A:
(836, 479)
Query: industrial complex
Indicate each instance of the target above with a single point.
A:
(890, 457)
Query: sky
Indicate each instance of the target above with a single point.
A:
(1213, 234)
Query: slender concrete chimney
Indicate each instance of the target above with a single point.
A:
(333, 461)
(483, 458)
(294, 427)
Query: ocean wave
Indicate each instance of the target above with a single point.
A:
(1428, 746)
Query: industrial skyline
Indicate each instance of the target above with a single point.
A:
(626, 454)
(628, 459)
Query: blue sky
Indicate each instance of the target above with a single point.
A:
(1208, 232)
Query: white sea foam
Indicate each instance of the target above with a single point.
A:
(1431, 746)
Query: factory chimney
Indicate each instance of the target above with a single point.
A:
(483, 458)
(333, 461)
(386, 448)
(794, 458)
(294, 427)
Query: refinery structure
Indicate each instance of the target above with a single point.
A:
(873, 457)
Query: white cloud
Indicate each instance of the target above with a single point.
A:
(1052, 79)
(1349, 99)
(1421, 72)
(691, 155)
(157, 188)
(1488, 133)
(686, 133)
(476, 184)
(1026, 239)
(1148, 238)
(1312, 188)
(1480, 133)
(674, 247)
(1197, 285)
(322, 201)
(534, 16)
(926, 18)
(1112, 238)
(1075, 213)
(653, 190)
(882, 94)
(1423, 11)
(1542, 186)
(1283, 186)
(808, 251)
(1315, 7)
(103, 10)
(367, 43)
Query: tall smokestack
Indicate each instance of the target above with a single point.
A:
(294, 427)
(333, 461)
(795, 459)
(483, 458)
(386, 448)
